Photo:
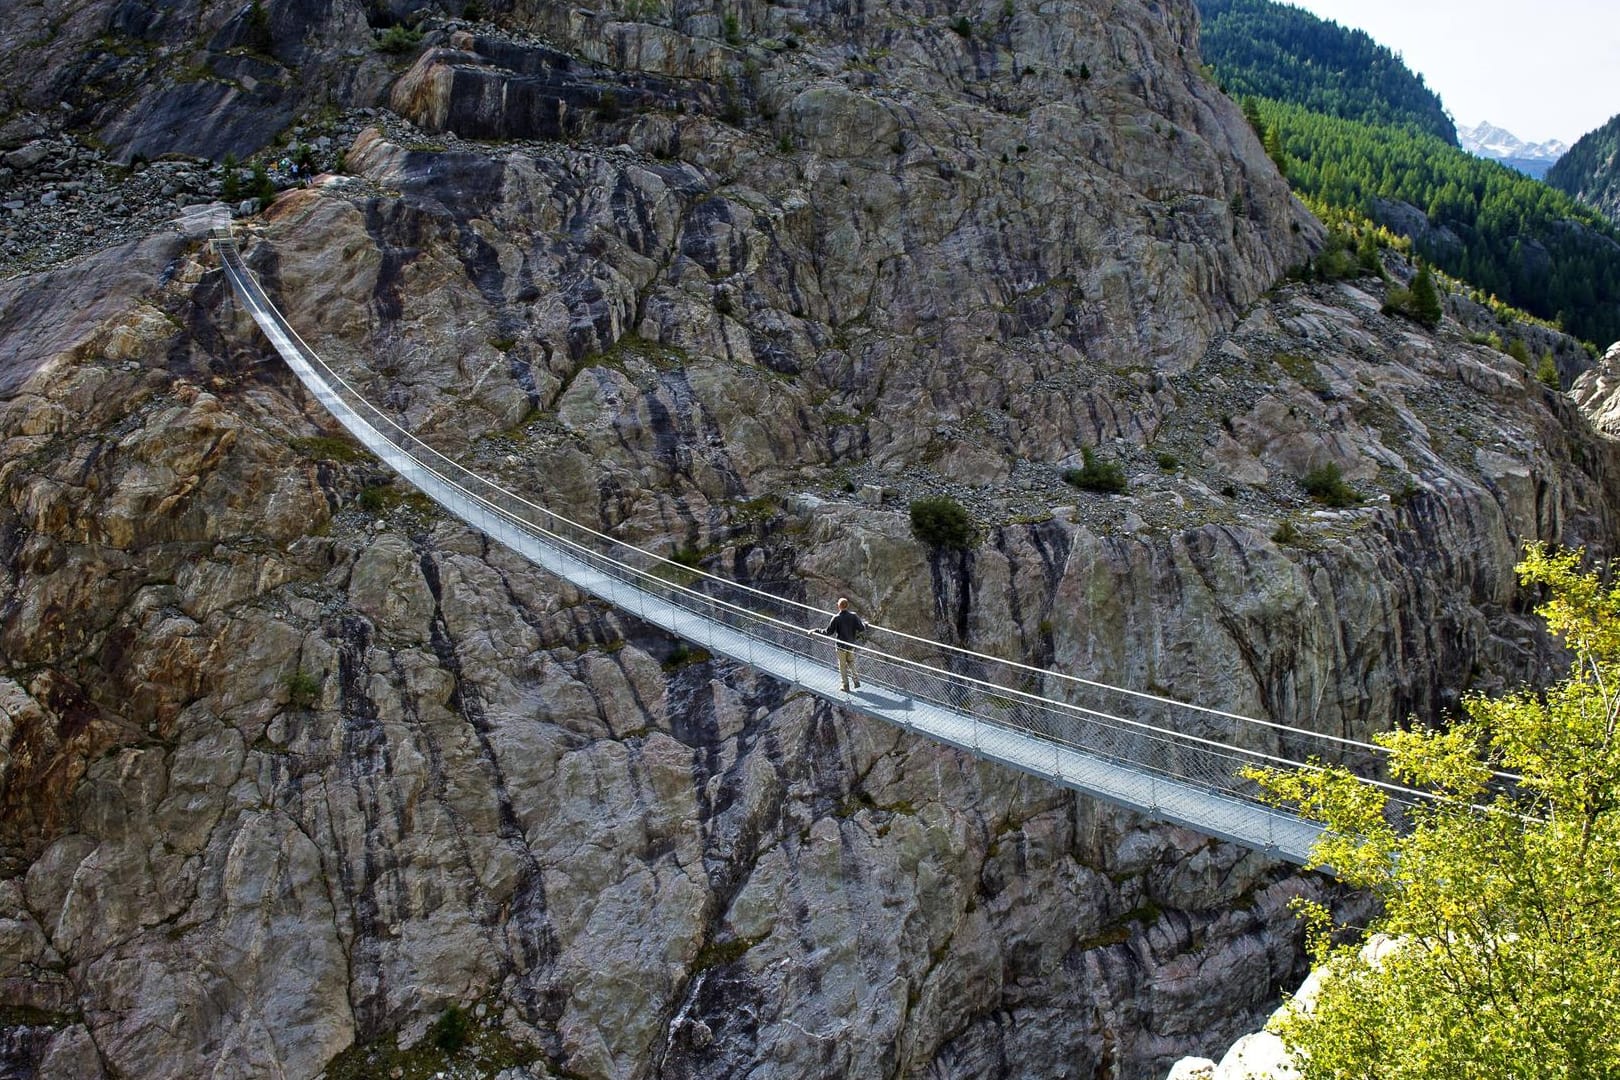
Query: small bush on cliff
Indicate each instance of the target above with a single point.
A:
(303, 689)
(262, 187)
(1547, 372)
(1326, 485)
(1502, 896)
(231, 188)
(449, 1032)
(941, 522)
(399, 39)
(256, 34)
(1103, 476)
(1420, 303)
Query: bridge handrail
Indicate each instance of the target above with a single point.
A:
(335, 379)
(948, 688)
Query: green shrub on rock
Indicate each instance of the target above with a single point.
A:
(939, 521)
(1093, 475)
(399, 39)
(1547, 372)
(1326, 485)
(449, 1032)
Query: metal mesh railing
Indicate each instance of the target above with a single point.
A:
(1152, 750)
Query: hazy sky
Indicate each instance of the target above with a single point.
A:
(1542, 69)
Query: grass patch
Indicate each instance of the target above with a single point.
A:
(1120, 932)
(13, 1016)
(330, 448)
(633, 346)
(756, 511)
(718, 953)
(384, 497)
(1302, 369)
(683, 656)
(482, 1051)
(379, 498)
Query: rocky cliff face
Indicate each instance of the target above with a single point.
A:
(1597, 392)
(145, 78)
(293, 764)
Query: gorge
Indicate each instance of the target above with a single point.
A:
(296, 766)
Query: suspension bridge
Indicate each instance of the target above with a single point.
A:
(1165, 759)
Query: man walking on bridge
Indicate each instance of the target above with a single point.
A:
(847, 627)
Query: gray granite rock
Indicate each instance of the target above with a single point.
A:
(293, 763)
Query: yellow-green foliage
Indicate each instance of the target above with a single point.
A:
(1506, 899)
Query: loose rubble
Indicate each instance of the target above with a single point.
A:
(64, 199)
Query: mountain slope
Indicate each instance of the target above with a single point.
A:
(1476, 219)
(1351, 126)
(1274, 50)
(1590, 171)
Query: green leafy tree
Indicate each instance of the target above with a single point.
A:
(1503, 898)
(1547, 372)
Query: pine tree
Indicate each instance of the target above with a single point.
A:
(263, 188)
(1274, 150)
(258, 36)
(1251, 113)
(1426, 307)
(231, 189)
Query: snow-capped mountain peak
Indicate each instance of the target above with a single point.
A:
(1489, 141)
